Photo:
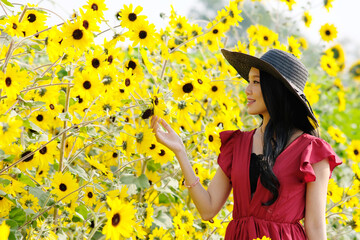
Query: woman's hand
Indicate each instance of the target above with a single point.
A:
(169, 138)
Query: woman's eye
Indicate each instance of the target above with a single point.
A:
(256, 82)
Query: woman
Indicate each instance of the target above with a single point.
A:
(278, 172)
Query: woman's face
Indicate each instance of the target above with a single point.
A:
(255, 101)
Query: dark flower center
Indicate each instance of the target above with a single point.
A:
(62, 187)
(95, 63)
(127, 82)
(328, 65)
(90, 195)
(132, 17)
(211, 138)
(156, 101)
(51, 106)
(87, 85)
(28, 159)
(31, 17)
(152, 146)
(214, 88)
(148, 112)
(86, 24)
(14, 26)
(94, 7)
(187, 88)
(200, 81)
(43, 150)
(215, 31)
(266, 38)
(8, 82)
(77, 34)
(110, 59)
(115, 155)
(40, 117)
(121, 90)
(131, 65)
(356, 152)
(41, 172)
(115, 219)
(162, 152)
(327, 32)
(80, 100)
(142, 34)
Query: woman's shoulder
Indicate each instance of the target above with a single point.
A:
(227, 135)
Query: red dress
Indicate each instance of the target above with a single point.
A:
(279, 221)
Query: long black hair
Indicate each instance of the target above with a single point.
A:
(287, 114)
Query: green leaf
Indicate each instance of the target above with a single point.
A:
(62, 73)
(27, 180)
(78, 171)
(18, 215)
(6, 2)
(40, 194)
(143, 182)
(66, 116)
(128, 179)
(82, 210)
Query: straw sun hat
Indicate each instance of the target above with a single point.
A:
(282, 65)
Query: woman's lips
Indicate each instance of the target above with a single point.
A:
(250, 101)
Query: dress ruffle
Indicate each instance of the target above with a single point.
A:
(316, 151)
(226, 151)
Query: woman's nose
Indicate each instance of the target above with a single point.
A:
(248, 90)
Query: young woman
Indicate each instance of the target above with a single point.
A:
(279, 171)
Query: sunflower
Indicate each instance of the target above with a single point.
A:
(307, 18)
(96, 8)
(87, 85)
(144, 35)
(88, 21)
(337, 52)
(233, 12)
(43, 119)
(353, 150)
(29, 162)
(42, 172)
(179, 23)
(266, 37)
(120, 219)
(216, 90)
(109, 81)
(64, 184)
(36, 21)
(183, 220)
(136, 68)
(328, 4)
(212, 138)
(303, 43)
(312, 92)
(129, 18)
(94, 163)
(4, 229)
(143, 139)
(13, 27)
(328, 32)
(75, 35)
(10, 130)
(329, 65)
(159, 233)
(355, 70)
(342, 101)
(126, 144)
(289, 3)
(184, 89)
(5, 206)
(294, 46)
(46, 154)
(337, 134)
(164, 155)
(28, 201)
(96, 60)
(13, 81)
(89, 196)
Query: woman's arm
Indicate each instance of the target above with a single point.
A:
(316, 193)
(208, 202)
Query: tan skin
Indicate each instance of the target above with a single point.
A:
(210, 201)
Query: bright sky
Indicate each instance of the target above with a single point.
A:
(344, 14)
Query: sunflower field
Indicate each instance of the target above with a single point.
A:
(78, 159)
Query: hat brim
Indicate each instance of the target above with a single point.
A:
(244, 62)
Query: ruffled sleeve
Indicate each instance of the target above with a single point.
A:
(226, 151)
(317, 150)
